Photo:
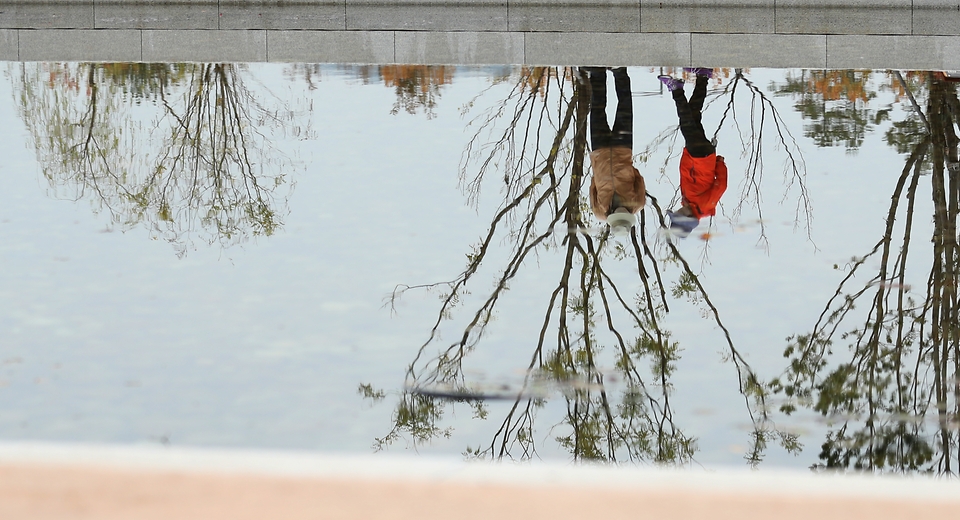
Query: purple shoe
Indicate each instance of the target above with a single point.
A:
(700, 71)
(671, 83)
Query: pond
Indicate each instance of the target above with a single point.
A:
(404, 258)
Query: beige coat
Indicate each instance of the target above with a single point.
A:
(613, 172)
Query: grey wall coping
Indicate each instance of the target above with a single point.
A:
(914, 34)
(485, 48)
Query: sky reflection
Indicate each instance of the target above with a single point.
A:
(221, 254)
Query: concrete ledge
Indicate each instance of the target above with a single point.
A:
(893, 17)
(111, 482)
(483, 47)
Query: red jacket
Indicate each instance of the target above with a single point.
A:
(702, 181)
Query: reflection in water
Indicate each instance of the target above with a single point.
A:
(591, 317)
(200, 166)
(837, 103)
(189, 151)
(703, 173)
(893, 398)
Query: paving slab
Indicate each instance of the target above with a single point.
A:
(79, 45)
(953, 5)
(607, 49)
(481, 48)
(77, 15)
(936, 22)
(903, 52)
(726, 20)
(842, 20)
(607, 18)
(282, 15)
(145, 483)
(122, 15)
(204, 46)
(9, 45)
(851, 4)
(759, 50)
(427, 18)
(331, 46)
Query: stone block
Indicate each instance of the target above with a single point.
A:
(369, 47)
(814, 5)
(427, 18)
(586, 18)
(460, 48)
(942, 22)
(759, 50)
(699, 20)
(9, 45)
(607, 49)
(454, 4)
(706, 4)
(796, 20)
(204, 46)
(329, 15)
(47, 15)
(152, 15)
(890, 52)
(79, 45)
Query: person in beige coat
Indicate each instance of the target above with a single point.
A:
(617, 190)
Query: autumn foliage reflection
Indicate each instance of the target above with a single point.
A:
(882, 361)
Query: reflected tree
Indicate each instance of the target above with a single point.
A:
(417, 86)
(837, 104)
(893, 396)
(200, 165)
(592, 318)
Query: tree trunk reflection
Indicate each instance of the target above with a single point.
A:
(621, 414)
(903, 360)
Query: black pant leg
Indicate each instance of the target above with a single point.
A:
(600, 135)
(695, 139)
(623, 121)
(699, 95)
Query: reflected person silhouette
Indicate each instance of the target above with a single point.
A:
(617, 190)
(703, 173)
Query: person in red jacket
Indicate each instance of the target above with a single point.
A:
(703, 173)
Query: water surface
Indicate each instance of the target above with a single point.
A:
(378, 258)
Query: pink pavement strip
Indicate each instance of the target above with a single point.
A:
(55, 481)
